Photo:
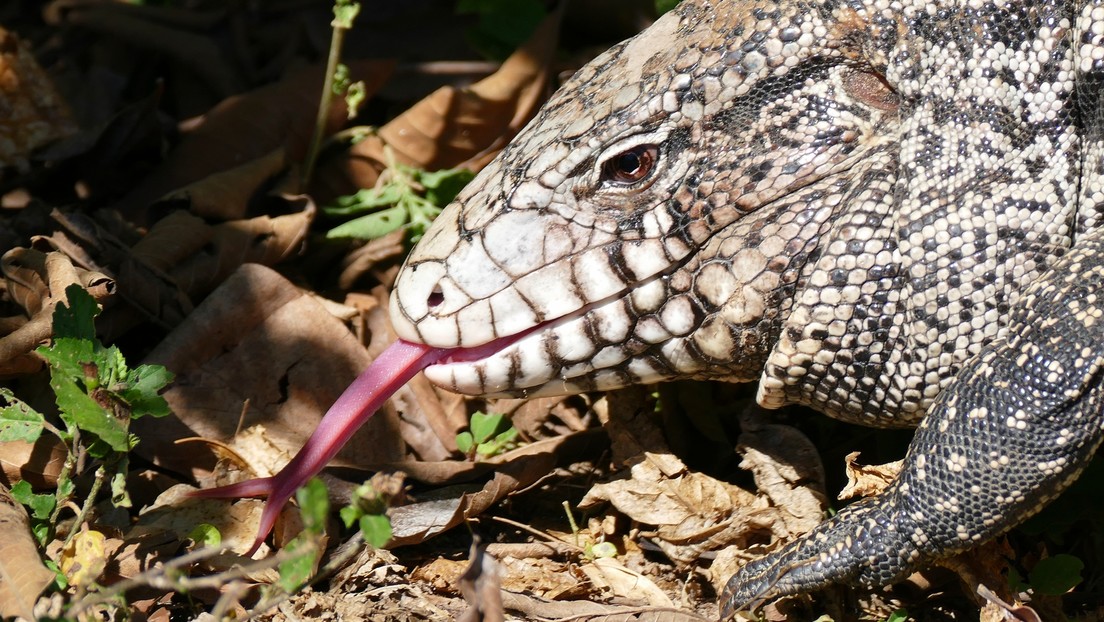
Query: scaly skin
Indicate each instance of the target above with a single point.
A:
(861, 205)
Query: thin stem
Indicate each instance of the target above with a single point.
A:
(89, 501)
(336, 43)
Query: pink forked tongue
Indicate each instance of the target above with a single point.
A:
(391, 369)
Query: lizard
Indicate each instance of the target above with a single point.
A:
(886, 210)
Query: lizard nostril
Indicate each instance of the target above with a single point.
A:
(435, 298)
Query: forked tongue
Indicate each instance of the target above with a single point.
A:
(391, 369)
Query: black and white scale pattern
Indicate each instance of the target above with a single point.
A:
(889, 211)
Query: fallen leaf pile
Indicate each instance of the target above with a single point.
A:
(153, 155)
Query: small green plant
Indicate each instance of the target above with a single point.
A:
(404, 197)
(901, 615)
(304, 550)
(368, 511)
(490, 435)
(97, 396)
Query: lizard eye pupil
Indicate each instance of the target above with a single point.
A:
(631, 166)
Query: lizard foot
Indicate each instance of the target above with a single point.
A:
(863, 543)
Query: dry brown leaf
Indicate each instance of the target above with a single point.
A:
(38, 463)
(23, 576)
(997, 610)
(34, 113)
(175, 514)
(266, 240)
(442, 509)
(246, 127)
(687, 508)
(533, 608)
(788, 472)
(465, 127)
(609, 573)
(225, 195)
(259, 338)
(867, 480)
(388, 249)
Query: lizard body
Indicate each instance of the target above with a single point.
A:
(888, 211)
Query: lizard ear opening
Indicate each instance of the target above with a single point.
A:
(872, 90)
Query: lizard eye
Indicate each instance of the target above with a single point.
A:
(631, 166)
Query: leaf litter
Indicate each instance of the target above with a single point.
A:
(171, 191)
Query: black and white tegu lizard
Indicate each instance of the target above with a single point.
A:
(890, 211)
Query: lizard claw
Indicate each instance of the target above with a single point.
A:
(862, 542)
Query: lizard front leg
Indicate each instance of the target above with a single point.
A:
(1012, 431)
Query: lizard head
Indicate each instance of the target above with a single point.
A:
(648, 223)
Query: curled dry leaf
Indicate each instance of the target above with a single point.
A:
(265, 240)
(23, 576)
(455, 127)
(867, 480)
(142, 284)
(37, 281)
(34, 113)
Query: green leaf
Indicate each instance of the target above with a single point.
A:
(465, 442)
(366, 200)
(604, 549)
(441, 187)
(18, 421)
(75, 358)
(371, 226)
(900, 615)
(350, 514)
(662, 6)
(143, 391)
(76, 320)
(119, 496)
(485, 425)
(314, 505)
(297, 569)
(41, 505)
(206, 535)
(376, 529)
(82, 411)
(1056, 575)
